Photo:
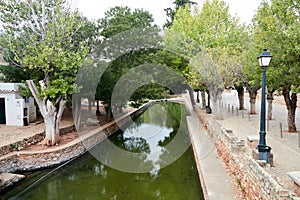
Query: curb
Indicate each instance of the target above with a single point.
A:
(31, 160)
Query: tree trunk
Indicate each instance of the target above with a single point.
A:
(108, 113)
(291, 104)
(90, 107)
(240, 91)
(197, 99)
(252, 94)
(191, 93)
(98, 108)
(76, 110)
(203, 99)
(51, 114)
(216, 103)
(270, 104)
(252, 101)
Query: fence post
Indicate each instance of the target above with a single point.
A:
(299, 139)
(280, 127)
(249, 116)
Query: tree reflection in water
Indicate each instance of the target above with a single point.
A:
(87, 178)
(152, 133)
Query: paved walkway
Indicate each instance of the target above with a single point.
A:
(285, 146)
(216, 182)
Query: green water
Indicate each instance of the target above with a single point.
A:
(87, 178)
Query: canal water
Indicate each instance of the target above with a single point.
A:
(87, 178)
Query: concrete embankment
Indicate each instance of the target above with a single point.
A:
(215, 181)
(31, 160)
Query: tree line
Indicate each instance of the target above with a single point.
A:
(47, 44)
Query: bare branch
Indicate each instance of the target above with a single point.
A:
(35, 18)
(33, 29)
(34, 91)
(44, 16)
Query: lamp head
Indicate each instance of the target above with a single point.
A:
(264, 58)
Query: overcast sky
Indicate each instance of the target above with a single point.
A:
(94, 9)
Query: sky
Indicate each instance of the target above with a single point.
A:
(95, 9)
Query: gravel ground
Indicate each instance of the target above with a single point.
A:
(12, 134)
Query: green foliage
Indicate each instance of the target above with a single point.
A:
(276, 26)
(120, 19)
(147, 92)
(172, 12)
(126, 54)
(44, 39)
(215, 30)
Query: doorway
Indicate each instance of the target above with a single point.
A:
(2, 111)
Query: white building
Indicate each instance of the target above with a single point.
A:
(14, 110)
(2, 62)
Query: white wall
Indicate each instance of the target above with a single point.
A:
(14, 110)
(14, 104)
(31, 109)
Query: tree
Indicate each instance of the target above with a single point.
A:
(221, 37)
(171, 12)
(119, 19)
(286, 55)
(124, 55)
(284, 45)
(252, 76)
(41, 36)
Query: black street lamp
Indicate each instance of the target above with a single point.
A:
(208, 108)
(263, 150)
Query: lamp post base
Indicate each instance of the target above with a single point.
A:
(264, 156)
(268, 157)
(264, 153)
(208, 109)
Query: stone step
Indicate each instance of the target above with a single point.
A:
(8, 179)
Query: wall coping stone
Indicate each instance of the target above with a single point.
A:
(252, 138)
(295, 176)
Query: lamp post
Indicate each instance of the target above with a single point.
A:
(263, 150)
(208, 108)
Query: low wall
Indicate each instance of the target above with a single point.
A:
(22, 144)
(252, 179)
(29, 160)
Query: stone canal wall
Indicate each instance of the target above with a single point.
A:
(30, 160)
(252, 179)
(23, 144)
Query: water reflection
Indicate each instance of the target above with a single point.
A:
(159, 133)
(87, 178)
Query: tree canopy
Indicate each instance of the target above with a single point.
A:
(219, 35)
(43, 36)
(284, 45)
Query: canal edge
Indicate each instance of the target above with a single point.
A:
(215, 181)
(23, 160)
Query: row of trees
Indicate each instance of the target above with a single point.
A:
(229, 50)
(45, 42)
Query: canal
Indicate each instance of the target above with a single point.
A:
(87, 178)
